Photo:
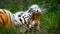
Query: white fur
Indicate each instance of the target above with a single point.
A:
(16, 18)
(32, 23)
(35, 7)
(19, 22)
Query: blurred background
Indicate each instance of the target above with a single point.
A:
(50, 20)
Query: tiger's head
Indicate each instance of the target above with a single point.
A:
(34, 9)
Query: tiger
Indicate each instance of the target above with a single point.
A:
(6, 18)
(29, 18)
(26, 19)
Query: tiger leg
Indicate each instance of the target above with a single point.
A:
(36, 26)
(26, 27)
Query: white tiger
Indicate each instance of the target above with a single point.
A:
(32, 15)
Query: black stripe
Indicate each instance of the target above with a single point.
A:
(4, 10)
(2, 20)
(24, 20)
(1, 12)
(10, 18)
(20, 19)
(30, 10)
(20, 14)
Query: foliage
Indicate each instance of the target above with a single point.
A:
(49, 21)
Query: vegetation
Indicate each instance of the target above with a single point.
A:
(50, 20)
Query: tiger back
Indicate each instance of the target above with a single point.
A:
(5, 18)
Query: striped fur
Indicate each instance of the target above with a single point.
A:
(35, 21)
(35, 17)
(30, 17)
(23, 19)
(6, 18)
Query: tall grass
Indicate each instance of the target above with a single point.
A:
(49, 21)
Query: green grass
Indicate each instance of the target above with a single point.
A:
(50, 20)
